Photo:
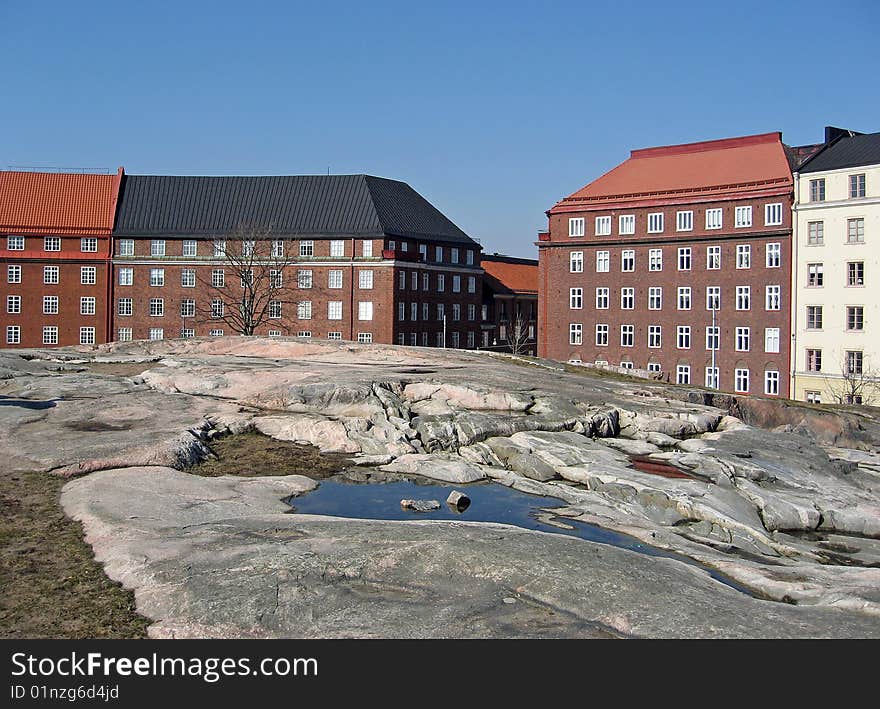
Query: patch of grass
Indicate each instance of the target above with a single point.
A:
(50, 584)
(253, 454)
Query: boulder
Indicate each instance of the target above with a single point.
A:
(329, 435)
(449, 470)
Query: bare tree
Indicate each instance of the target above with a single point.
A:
(859, 384)
(246, 287)
(517, 332)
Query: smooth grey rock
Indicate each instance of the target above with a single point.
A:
(436, 468)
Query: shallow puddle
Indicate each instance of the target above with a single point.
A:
(490, 502)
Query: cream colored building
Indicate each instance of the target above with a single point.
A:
(836, 279)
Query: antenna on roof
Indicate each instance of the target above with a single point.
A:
(328, 169)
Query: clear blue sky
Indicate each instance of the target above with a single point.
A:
(493, 111)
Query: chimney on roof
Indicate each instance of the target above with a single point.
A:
(832, 133)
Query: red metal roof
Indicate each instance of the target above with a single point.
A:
(514, 275)
(58, 203)
(713, 169)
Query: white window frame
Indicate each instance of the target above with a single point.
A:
(742, 217)
(626, 224)
(576, 262)
(603, 226)
(576, 227)
(684, 220)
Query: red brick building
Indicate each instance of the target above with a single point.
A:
(633, 263)
(371, 259)
(510, 304)
(55, 255)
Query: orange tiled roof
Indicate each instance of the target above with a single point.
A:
(57, 203)
(515, 275)
(710, 168)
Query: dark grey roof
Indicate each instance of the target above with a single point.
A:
(849, 151)
(296, 205)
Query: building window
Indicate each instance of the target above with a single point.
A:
(714, 218)
(742, 217)
(304, 279)
(426, 281)
(627, 298)
(219, 248)
(50, 304)
(365, 310)
(603, 261)
(815, 275)
(684, 298)
(684, 258)
(365, 279)
(854, 361)
(15, 243)
(602, 298)
(87, 305)
(628, 261)
(275, 309)
(601, 335)
(743, 298)
(456, 311)
(157, 307)
(157, 247)
(441, 282)
(813, 397)
(87, 336)
(414, 312)
(415, 280)
(855, 273)
(626, 224)
(188, 332)
(741, 380)
(472, 284)
(713, 258)
(743, 256)
(365, 338)
(188, 278)
(817, 190)
(126, 276)
(13, 274)
(88, 245)
(855, 231)
(856, 186)
(455, 339)
(124, 307)
(713, 298)
(655, 298)
(50, 335)
(773, 298)
(774, 255)
(334, 335)
(216, 333)
(814, 360)
(88, 275)
(306, 248)
(190, 248)
(334, 279)
(576, 262)
(713, 338)
(855, 317)
(401, 311)
(684, 337)
(453, 253)
(627, 335)
(472, 311)
(276, 278)
(157, 333)
(655, 222)
(655, 260)
(13, 304)
(815, 233)
(683, 374)
(814, 317)
(218, 308)
(218, 278)
(304, 310)
(771, 382)
(743, 339)
(712, 377)
(277, 248)
(13, 334)
(771, 339)
(684, 221)
(126, 247)
(576, 227)
(337, 248)
(655, 336)
(366, 249)
(773, 214)
(52, 243)
(456, 284)
(575, 334)
(187, 308)
(441, 311)
(603, 226)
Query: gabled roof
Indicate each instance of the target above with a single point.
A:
(506, 274)
(847, 151)
(712, 168)
(57, 203)
(295, 205)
